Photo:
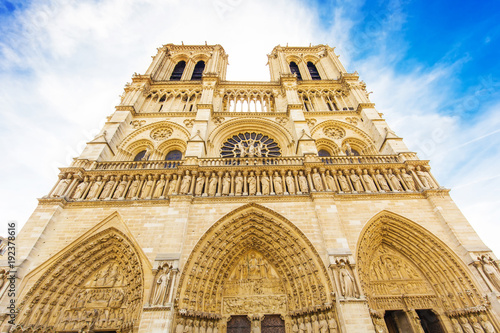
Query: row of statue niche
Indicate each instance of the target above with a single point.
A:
(472, 324)
(244, 183)
(161, 285)
(113, 298)
(195, 325)
(316, 323)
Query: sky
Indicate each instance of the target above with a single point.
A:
(433, 67)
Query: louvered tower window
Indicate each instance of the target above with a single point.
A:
(178, 70)
(295, 70)
(313, 71)
(198, 70)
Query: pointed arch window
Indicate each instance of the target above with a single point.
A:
(323, 153)
(313, 71)
(295, 70)
(198, 70)
(178, 70)
(174, 155)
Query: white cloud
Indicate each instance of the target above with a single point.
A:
(65, 63)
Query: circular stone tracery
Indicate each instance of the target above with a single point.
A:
(161, 133)
(334, 132)
(250, 145)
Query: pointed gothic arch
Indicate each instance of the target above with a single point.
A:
(404, 267)
(253, 232)
(97, 283)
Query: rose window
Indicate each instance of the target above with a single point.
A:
(250, 145)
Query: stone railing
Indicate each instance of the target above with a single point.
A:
(213, 177)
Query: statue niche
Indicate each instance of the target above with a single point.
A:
(253, 286)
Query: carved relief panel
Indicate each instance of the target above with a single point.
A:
(253, 287)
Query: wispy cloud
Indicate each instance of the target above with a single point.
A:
(64, 63)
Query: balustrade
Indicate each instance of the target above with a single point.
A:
(243, 100)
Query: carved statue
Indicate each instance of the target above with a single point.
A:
(238, 184)
(290, 183)
(382, 182)
(330, 182)
(242, 148)
(251, 148)
(106, 191)
(160, 184)
(348, 149)
(147, 153)
(61, 187)
(186, 181)
(278, 183)
(332, 323)
(424, 178)
(356, 182)
(323, 324)
(304, 188)
(476, 325)
(295, 326)
(491, 271)
(80, 189)
(188, 328)
(316, 178)
(252, 184)
(210, 327)
(93, 193)
(344, 186)
(172, 186)
(203, 326)
(134, 188)
(264, 181)
(467, 328)
(369, 182)
(487, 325)
(255, 326)
(315, 324)
(302, 326)
(212, 185)
(161, 288)
(147, 188)
(347, 281)
(410, 184)
(379, 325)
(226, 184)
(260, 147)
(396, 184)
(456, 326)
(180, 326)
(200, 181)
(196, 326)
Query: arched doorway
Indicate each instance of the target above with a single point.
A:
(97, 285)
(254, 263)
(412, 280)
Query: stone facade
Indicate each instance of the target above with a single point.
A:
(207, 206)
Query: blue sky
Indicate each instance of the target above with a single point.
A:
(432, 66)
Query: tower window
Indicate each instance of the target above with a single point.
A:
(295, 70)
(198, 70)
(174, 155)
(140, 156)
(178, 70)
(313, 71)
(323, 153)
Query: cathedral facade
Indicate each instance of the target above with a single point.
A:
(214, 206)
